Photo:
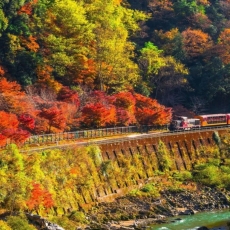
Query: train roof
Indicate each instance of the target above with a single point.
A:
(214, 115)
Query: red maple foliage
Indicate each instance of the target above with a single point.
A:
(9, 129)
(98, 96)
(26, 122)
(3, 140)
(41, 125)
(98, 115)
(55, 118)
(150, 112)
(124, 100)
(39, 196)
(47, 199)
(124, 117)
(17, 136)
(68, 95)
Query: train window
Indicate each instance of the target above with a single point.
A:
(216, 119)
(197, 122)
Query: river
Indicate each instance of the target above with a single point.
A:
(212, 220)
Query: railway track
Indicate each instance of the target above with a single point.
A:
(120, 139)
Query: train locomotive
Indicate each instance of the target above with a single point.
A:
(184, 123)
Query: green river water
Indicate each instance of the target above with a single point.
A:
(212, 220)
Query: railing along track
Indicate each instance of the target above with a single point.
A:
(136, 137)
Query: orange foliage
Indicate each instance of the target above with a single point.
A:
(8, 121)
(2, 71)
(125, 106)
(196, 42)
(9, 129)
(30, 43)
(13, 99)
(69, 111)
(12, 88)
(171, 34)
(45, 79)
(27, 8)
(98, 96)
(74, 171)
(117, 2)
(44, 73)
(87, 74)
(166, 39)
(203, 2)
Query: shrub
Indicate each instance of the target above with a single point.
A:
(207, 174)
(4, 226)
(65, 222)
(134, 192)
(150, 189)
(78, 217)
(182, 176)
(19, 223)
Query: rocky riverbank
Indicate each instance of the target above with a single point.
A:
(132, 212)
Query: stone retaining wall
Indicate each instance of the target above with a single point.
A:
(183, 148)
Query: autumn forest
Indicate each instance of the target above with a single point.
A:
(68, 64)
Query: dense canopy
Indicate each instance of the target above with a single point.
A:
(55, 56)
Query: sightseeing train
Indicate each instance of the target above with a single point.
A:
(185, 123)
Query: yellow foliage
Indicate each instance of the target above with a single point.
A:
(4, 226)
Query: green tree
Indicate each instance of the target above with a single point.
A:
(113, 52)
(3, 22)
(162, 74)
(66, 34)
(185, 8)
